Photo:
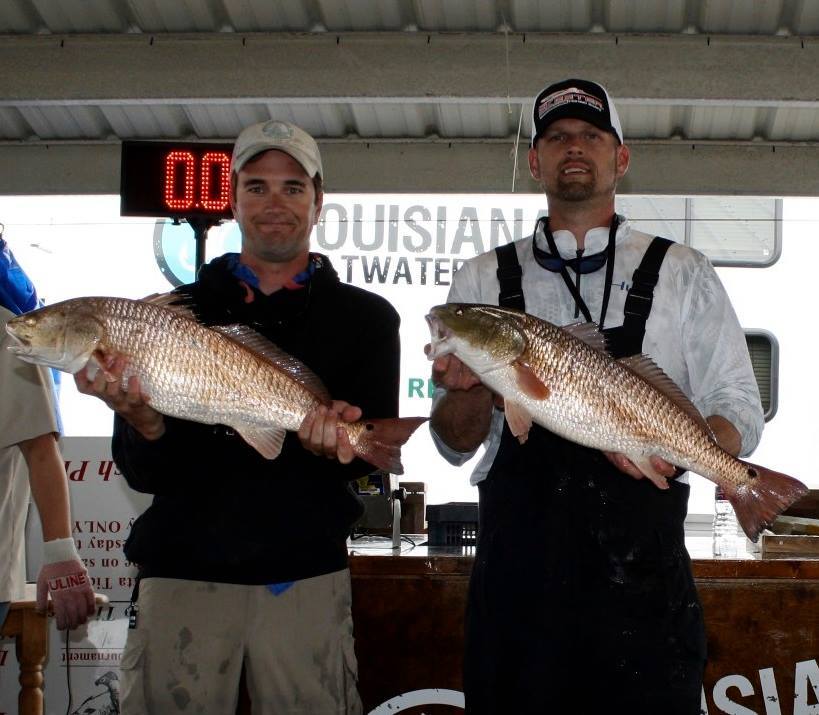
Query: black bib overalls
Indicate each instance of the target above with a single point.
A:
(581, 598)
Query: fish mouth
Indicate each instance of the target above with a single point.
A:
(20, 346)
(439, 335)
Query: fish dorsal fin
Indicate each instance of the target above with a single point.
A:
(267, 442)
(589, 333)
(180, 304)
(646, 368)
(261, 346)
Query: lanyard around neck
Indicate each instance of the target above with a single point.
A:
(543, 222)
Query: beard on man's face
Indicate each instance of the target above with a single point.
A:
(575, 191)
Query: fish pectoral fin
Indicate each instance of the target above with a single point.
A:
(519, 420)
(267, 442)
(645, 466)
(529, 383)
(102, 358)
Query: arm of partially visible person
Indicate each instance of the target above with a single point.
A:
(63, 575)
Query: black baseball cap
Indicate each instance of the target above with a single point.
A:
(575, 99)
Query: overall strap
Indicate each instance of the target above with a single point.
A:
(641, 295)
(509, 278)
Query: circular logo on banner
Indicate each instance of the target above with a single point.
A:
(447, 701)
(175, 248)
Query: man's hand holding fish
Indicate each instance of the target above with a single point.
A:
(127, 400)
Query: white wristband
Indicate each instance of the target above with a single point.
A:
(60, 550)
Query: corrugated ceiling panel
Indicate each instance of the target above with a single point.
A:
(393, 120)
(341, 15)
(749, 17)
(70, 122)
(557, 16)
(476, 120)
(259, 15)
(720, 123)
(140, 121)
(641, 122)
(81, 15)
(713, 16)
(457, 15)
(176, 16)
(223, 121)
(18, 16)
(806, 19)
(13, 125)
(794, 125)
(633, 16)
(320, 120)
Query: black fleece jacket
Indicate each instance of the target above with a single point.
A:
(222, 512)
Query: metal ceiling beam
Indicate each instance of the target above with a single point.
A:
(456, 66)
(451, 167)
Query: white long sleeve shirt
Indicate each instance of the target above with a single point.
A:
(692, 331)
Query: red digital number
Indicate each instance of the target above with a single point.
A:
(215, 191)
(213, 170)
(175, 162)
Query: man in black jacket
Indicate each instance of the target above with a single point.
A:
(242, 560)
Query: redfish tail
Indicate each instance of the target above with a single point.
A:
(762, 498)
(381, 442)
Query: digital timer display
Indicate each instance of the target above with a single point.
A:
(175, 179)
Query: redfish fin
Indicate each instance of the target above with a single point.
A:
(267, 442)
(179, 303)
(590, 334)
(529, 383)
(518, 419)
(652, 373)
(766, 495)
(645, 466)
(273, 354)
(381, 442)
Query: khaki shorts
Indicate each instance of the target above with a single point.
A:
(192, 639)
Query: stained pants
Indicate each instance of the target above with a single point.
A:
(192, 639)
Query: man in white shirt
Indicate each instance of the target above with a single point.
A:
(582, 598)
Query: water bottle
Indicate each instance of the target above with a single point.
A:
(725, 526)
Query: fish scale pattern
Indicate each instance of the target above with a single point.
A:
(196, 373)
(603, 404)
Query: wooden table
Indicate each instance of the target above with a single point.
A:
(761, 617)
(30, 632)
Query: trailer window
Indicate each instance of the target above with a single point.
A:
(735, 230)
(764, 351)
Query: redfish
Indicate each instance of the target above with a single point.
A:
(227, 375)
(565, 381)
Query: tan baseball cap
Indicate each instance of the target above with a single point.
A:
(276, 134)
